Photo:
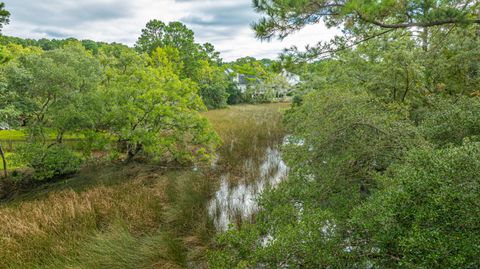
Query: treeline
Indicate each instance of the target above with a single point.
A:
(384, 151)
(199, 62)
(117, 102)
(121, 102)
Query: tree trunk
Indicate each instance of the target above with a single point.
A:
(133, 150)
(425, 39)
(407, 84)
(2, 154)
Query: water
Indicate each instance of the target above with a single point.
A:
(236, 200)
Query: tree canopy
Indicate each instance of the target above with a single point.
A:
(382, 145)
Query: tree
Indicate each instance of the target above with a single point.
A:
(49, 93)
(450, 120)
(152, 36)
(211, 54)
(4, 161)
(340, 140)
(50, 87)
(362, 21)
(383, 150)
(278, 85)
(176, 35)
(251, 67)
(4, 16)
(213, 84)
(285, 17)
(200, 63)
(150, 111)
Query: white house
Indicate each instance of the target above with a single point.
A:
(281, 85)
(242, 81)
(293, 79)
(4, 126)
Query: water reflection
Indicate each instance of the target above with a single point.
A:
(236, 201)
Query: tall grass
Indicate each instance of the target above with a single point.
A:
(246, 131)
(132, 216)
(40, 232)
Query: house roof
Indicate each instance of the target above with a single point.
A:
(246, 79)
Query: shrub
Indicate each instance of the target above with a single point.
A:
(51, 161)
(340, 141)
(347, 138)
(427, 217)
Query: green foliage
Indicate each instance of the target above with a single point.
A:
(119, 101)
(163, 121)
(250, 67)
(367, 188)
(158, 34)
(451, 120)
(428, 214)
(261, 81)
(48, 88)
(200, 63)
(235, 95)
(340, 141)
(50, 44)
(213, 84)
(4, 16)
(49, 162)
(454, 68)
(282, 17)
(348, 137)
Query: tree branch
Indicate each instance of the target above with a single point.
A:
(416, 24)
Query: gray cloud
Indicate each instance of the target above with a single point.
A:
(224, 23)
(240, 15)
(51, 33)
(67, 13)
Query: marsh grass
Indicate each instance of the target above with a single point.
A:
(247, 130)
(133, 216)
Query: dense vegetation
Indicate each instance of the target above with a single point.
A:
(383, 144)
(384, 150)
(119, 102)
(136, 215)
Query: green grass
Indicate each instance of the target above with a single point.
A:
(131, 216)
(12, 135)
(12, 139)
(11, 162)
(21, 135)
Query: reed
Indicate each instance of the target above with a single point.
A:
(136, 216)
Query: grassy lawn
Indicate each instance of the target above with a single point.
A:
(11, 135)
(20, 135)
(10, 139)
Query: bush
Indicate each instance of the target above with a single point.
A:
(347, 138)
(214, 96)
(49, 162)
(427, 217)
(340, 141)
(235, 95)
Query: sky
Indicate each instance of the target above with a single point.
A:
(224, 23)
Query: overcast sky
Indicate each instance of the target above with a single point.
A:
(224, 23)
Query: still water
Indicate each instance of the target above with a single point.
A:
(236, 200)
